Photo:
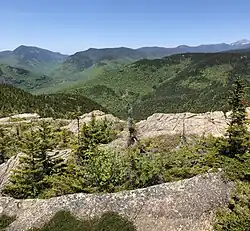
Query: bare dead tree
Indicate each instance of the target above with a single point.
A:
(132, 137)
(183, 137)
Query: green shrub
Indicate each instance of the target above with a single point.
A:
(104, 171)
(237, 216)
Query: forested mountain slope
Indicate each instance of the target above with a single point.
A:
(202, 86)
(14, 100)
(23, 78)
(185, 82)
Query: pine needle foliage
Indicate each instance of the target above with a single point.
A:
(237, 141)
(36, 164)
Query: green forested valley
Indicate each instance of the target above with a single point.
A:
(183, 82)
(194, 82)
(117, 77)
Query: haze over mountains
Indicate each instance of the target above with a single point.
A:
(153, 79)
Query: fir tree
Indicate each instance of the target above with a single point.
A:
(7, 144)
(92, 134)
(24, 182)
(237, 142)
(36, 164)
(2, 146)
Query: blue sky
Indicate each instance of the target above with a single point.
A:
(68, 26)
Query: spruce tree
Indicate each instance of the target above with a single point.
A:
(3, 146)
(237, 142)
(92, 134)
(78, 175)
(36, 164)
(8, 144)
(24, 181)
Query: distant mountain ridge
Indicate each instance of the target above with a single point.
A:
(97, 60)
(240, 44)
(90, 63)
(93, 56)
(203, 48)
(61, 70)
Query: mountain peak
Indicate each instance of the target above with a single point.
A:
(33, 49)
(22, 48)
(241, 42)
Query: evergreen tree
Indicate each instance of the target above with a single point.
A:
(2, 146)
(8, 144)
(85, 166)
(36, 164)
(24, 182)
(92, 134)
(237, 142)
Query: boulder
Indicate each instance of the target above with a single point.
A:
(213, 123)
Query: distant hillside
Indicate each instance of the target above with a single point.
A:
(89, 63)
(22, 78)
(31, 58)
(203, 85)
(86, 65)
(193, 82)
(238, 51)
(14, 100)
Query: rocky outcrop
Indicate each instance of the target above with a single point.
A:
(86, 118)
(203, 124)
(187, 205)
(214, 123)
(24, 116)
